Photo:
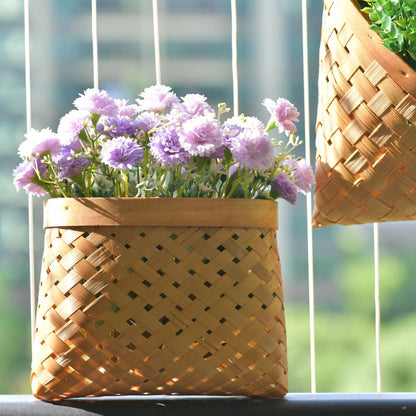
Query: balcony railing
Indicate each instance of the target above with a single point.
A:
(294, 403)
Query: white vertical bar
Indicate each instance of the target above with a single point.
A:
(30, 197)
(234, 56)
(377, 302)
(94, 42)
(157, 42)
(309, 196)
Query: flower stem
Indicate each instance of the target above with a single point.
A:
(234, 187)
(162, 182)
(223, 187)
(246, 185)
(191, 165)
(125, 182)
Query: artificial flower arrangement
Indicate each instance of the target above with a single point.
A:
(163, 146)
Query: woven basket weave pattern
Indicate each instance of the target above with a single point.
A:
(160, 310)
(366, 164)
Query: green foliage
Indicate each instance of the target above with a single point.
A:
(15, 344)
(344, 318)
(345, 352)
(355, 275)
(343, 346)
(395, 22)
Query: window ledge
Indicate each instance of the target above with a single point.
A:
(321, 404)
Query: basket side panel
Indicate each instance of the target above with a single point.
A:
(160, 310)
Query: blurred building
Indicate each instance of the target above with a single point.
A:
(195, 49)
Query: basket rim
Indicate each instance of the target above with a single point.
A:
(163, 212)
(398, 69)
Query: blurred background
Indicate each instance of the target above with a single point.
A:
(196, 57)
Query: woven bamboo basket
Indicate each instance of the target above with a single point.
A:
(159, 296)
(366, 125)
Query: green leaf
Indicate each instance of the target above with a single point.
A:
(386, 23)
(83, 136)
(201, 162)
(274, 194)
(410, 3)
(412, 53)
(400, 41)
(376, 29)
(367, 10)
(375, 17)
(228, 156)
(411, 37)
(401, 23)
(95, 118)
(395, 22)
(238, 192)
(392, 45)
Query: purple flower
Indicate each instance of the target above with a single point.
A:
(192, 105)
(97, 102)
(71, 124)
(146, 121)
(118, 126)
(253, 124)
(201, 136)
(38, 143)
(121, 153)
(166, 148)
(25, 176)
(233, 169)
(156, 98)
(284, 113)
(124, 109)
(231, 128)
(285, 188)
(303, 175)
(67, 150)
(235, 126)
(253, 150)
(70, 163)
(218, 153)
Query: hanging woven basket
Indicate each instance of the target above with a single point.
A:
(366, 125)
(159, 296)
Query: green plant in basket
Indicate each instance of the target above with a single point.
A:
(164, 146)
(395, 22)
